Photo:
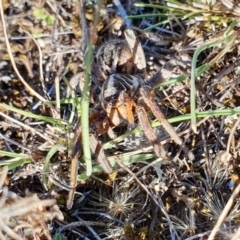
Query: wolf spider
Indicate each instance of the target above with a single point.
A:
(119, 72)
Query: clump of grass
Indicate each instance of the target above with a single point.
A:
(118, 204)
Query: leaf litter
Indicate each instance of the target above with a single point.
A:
(131, 194)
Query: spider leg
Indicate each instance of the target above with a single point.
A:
(99, 123)
(97, 149)
(148, 131)
(150, 102)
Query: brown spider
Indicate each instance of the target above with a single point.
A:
(119, 71)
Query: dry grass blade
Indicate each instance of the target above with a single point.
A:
(224, 213)
(40, 58)
(27, 127)
(74, 165)
(155, 162)
(231, 137)
(83, 223)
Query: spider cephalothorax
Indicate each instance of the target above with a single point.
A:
(117, 98)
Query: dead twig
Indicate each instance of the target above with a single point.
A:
(74, 165)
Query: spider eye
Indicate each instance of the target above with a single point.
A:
(108, 99)
(111, 98)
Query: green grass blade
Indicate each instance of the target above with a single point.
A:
(85, 111)
(185, 117)
(50, 154)
(150, 15)
(13, 154)
(17, 159)
(193, 76)
(55, 122)
(125, 159)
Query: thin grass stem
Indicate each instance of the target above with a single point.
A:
(193, 76)
(85, 110)
(186, 117)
